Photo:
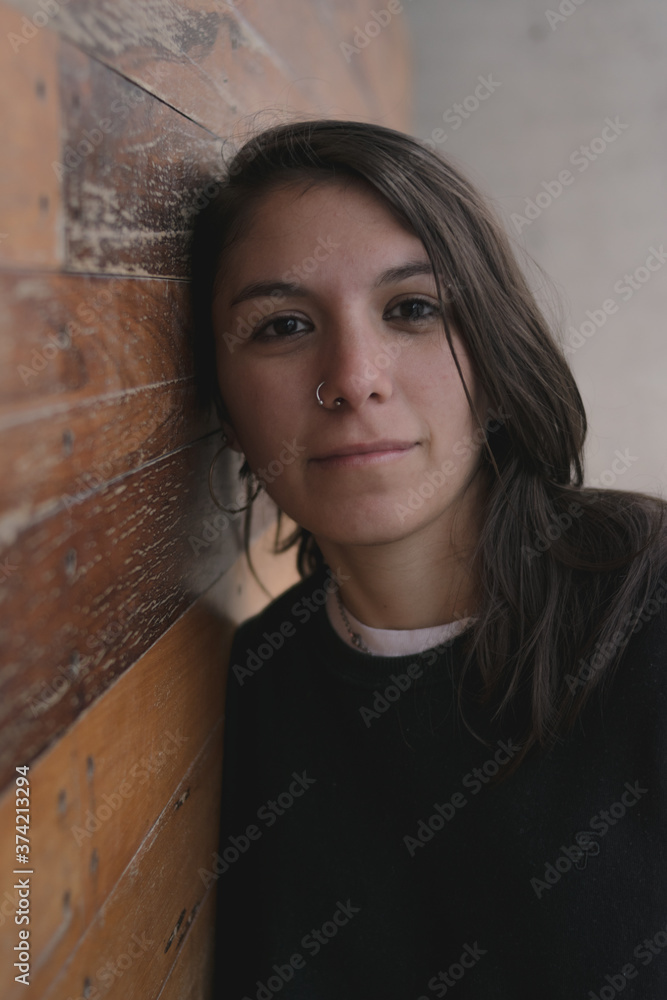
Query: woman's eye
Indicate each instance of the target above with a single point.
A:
(415, 310)
(283, 326)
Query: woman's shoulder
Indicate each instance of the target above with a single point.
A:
(645, 627)
(639, 683)
(628, 603)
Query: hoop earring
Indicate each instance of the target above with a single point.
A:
(250, 500)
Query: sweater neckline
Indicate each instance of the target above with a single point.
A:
(367, 670)
(388, 641)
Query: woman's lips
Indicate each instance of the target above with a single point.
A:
(364, 458)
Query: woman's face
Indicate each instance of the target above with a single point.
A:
(345, 275)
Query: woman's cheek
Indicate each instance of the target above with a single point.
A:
(273, 453)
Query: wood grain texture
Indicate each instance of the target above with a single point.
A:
(97, 794)
(134, 172)
(30, 210)
(218, 61)
(94, 588)
(371, 84)
(95, 380)
(155, 901)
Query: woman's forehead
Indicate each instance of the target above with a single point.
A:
(288, 205)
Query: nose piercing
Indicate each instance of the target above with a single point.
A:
(337, 401)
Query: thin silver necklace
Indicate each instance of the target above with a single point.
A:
(356, 638)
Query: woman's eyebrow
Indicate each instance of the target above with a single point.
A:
(263, 289)
(412, 269)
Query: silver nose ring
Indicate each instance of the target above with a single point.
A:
(337, 401)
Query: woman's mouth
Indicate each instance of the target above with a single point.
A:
(373, 453)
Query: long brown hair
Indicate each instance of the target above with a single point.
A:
(565, 571)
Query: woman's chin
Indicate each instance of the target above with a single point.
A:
(360, 527)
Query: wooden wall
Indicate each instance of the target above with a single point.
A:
(117, 604)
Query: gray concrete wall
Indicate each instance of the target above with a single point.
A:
(553, 79)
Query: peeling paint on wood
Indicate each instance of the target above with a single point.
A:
(118, 393)
(215, 62)
(171, 563)
(130, 200)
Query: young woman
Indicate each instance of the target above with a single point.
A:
(445, 748)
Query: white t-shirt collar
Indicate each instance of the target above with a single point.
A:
(391, 641)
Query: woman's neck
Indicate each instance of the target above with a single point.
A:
(418, 581)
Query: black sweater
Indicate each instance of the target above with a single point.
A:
(364, 855)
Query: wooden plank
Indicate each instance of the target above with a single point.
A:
(155, 901)
(371, 83)
(190, 979)
(94, 591)
(383, 69)
(95, 380)
(30, 205)
(58, 460)
(98, 792)
(134, 172)
(216, 61)
(108, 334)
(183, 53)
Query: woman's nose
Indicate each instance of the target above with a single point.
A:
(356, 364)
